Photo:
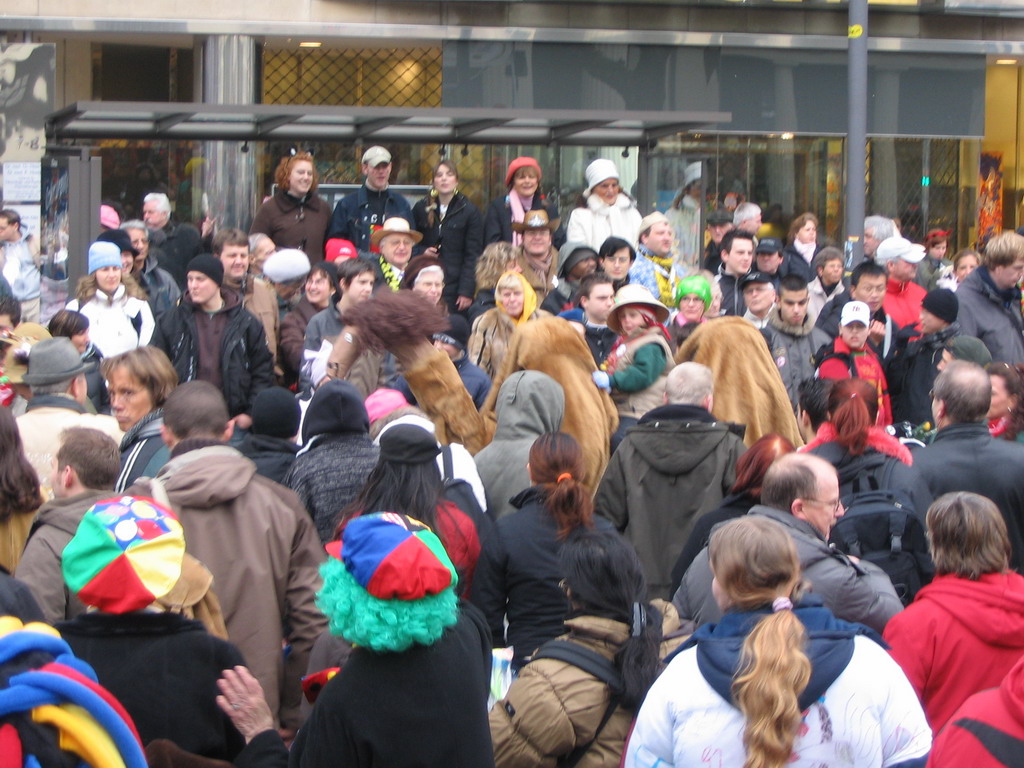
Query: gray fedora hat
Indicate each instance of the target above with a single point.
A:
(52, 361)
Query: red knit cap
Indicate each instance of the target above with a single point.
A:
(521, 162)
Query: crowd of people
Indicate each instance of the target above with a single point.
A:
(440, 484)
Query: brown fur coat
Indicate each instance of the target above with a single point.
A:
(748, 386)
(550, 346)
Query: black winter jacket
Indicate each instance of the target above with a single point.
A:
(498, 220)
(518, 574)
(163, 668)
(247, 367)
(459, 239)
(272, 456)
(965, 457)
(912, 371)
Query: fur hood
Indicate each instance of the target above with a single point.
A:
(878, 439)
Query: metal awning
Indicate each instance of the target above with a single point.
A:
(267, 122)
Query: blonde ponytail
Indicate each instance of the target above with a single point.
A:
(774, 670)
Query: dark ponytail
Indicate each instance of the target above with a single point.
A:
(605, 578)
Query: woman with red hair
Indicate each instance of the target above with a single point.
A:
(523, 183)
(935, 263)
(745, 493)
(858, 449)
(295, 216)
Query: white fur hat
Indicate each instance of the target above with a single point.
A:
(693, 173)
(286, 265)
(601, 170)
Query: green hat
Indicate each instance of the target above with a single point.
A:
(694, 284)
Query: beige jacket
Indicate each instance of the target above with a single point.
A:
(40, 429)
(265, 555)
(261, 300)
(553, 706)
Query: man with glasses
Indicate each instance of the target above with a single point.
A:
(801, 492)
(990, 299)
(867, 284)
(158, 283)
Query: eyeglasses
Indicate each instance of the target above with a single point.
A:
(836, 505)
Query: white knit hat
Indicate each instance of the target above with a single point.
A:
(601, 170)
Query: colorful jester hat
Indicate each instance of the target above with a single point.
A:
(389, 584)
(126, 553)
(394, 557)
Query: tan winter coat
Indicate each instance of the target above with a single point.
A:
(548, 345)
(265, 555)
(261, 300)
(553, 707)
(748, 385)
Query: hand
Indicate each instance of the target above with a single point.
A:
(207, 227)
(602, 380)
(876, 331)
(242, 421)
(463, 303)
(243, 701)
(432, 252)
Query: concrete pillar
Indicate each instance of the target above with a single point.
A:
(230, 76)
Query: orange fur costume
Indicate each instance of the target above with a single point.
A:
(549, 346)
(748, 386)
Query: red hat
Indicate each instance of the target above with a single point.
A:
(521, 162)
(337, 249)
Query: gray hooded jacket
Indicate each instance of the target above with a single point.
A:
(528, 405)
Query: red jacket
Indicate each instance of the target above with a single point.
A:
(987, 731)
(867, 366)
(959, 637)
(902, 302)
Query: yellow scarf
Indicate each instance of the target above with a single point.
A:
(529, 298)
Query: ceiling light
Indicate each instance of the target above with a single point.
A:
(310, 44)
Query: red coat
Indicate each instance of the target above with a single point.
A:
(867, 366)
(902, 302)
(959, 637)
(987, 731)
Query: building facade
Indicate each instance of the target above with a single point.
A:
(945, 111)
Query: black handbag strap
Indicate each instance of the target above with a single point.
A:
(593, 664)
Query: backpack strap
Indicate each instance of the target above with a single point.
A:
(897, 525)
(593, 664)
(449, 465)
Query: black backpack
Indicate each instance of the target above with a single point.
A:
(593, 664)
(881, 526)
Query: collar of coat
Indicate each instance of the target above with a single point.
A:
(775, 321)
(878, 439)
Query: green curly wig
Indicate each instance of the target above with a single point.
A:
(382, 625)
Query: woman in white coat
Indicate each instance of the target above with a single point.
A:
(119, 315)
(779, 682)
(609, 211)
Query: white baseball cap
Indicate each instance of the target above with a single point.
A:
(856, 312)
(898, 248)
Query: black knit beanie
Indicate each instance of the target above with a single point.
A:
(209, 265)
(942, 303)
(275, 413)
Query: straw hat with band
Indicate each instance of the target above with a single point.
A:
(15, 347)
(636, 297)
(396, 225)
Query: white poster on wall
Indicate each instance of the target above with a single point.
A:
(22, 182)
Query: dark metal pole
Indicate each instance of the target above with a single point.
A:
(857, 129)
